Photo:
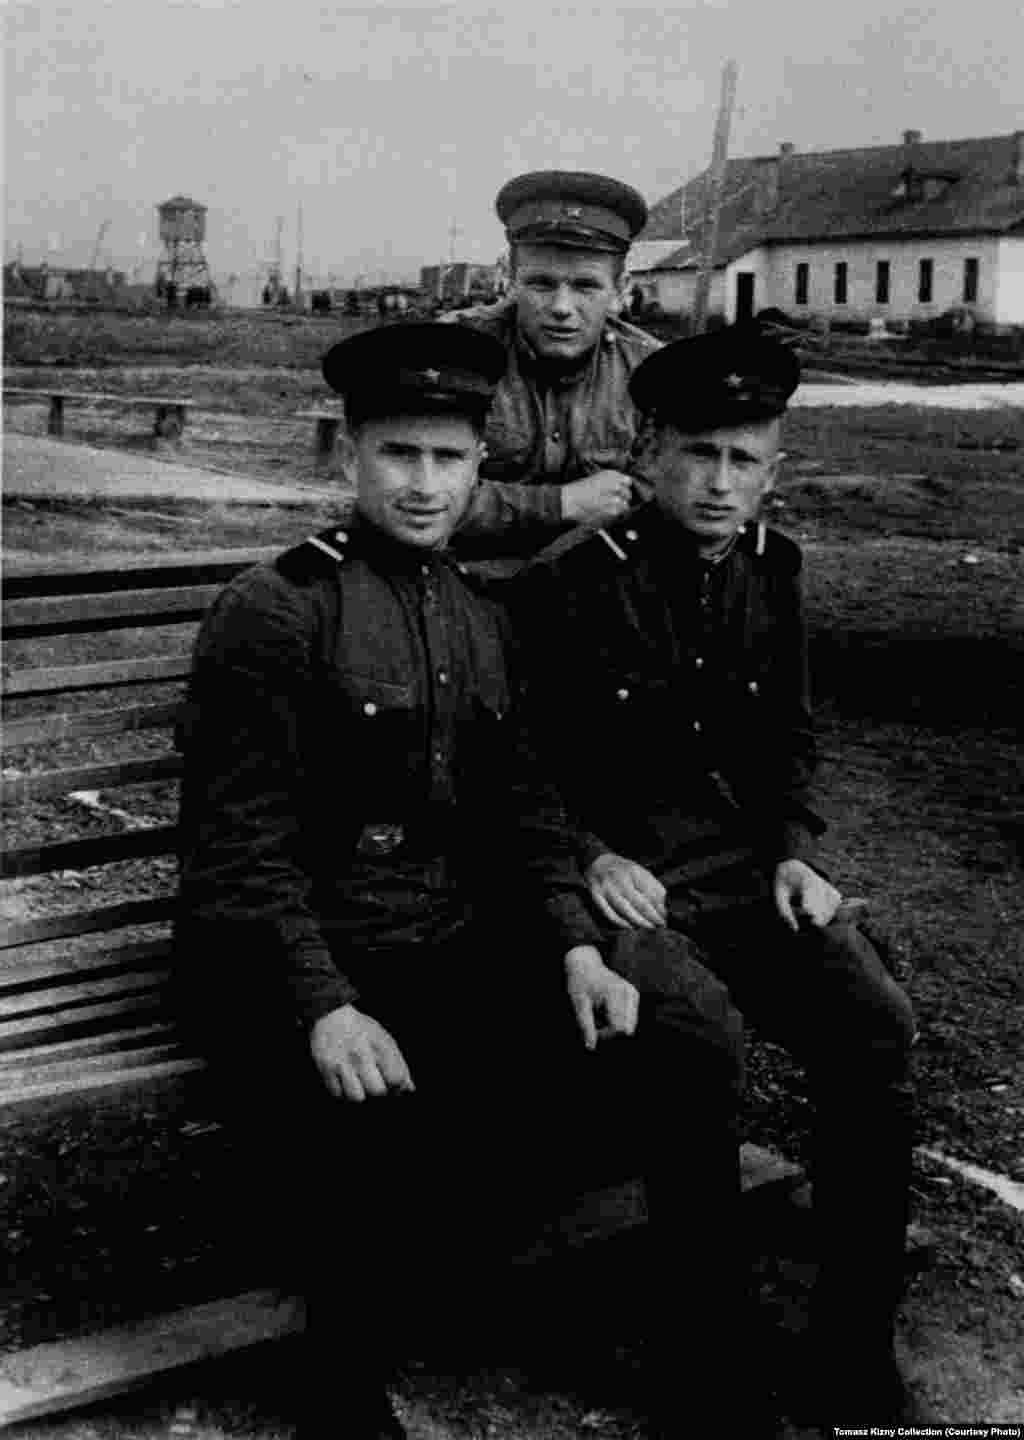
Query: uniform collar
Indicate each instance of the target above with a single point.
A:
(647, 530)
(386, 553)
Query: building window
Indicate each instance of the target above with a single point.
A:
(971, 280)
(882, 277)
(803, 284)
(925, 271)
(839, 290)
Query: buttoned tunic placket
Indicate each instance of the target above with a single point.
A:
(443, 684)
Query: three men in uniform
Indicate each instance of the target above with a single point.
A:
(364, 812)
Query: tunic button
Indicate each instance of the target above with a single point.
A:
(341, 536)
(697, 727)
(442, 676)
(630, 534)
(556, 435)
(622, 694)
(752, 687)
(369, 708)
(699, 662)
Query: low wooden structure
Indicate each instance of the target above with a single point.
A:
(170, 411)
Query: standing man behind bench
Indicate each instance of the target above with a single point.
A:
(561, 433)
(365, 838)
(669, 672)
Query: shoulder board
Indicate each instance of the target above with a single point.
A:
(586, 544)
(772, 547)
(314, 558)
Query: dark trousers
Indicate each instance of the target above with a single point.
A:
(386, 1202)
(826, 996)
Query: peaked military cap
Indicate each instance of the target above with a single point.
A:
(734, 376)
(423, 366)
(572, 208)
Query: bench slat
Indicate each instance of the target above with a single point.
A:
(62, 1051)
(89, 777)
(34, 969)
(68, 998)
(18, 1078)
(86, 922)
(119, 609)
(106, 1080)
(17, 1033)
(187, 567)
(92, 724)
(56, 1375)
(80, 854)
(98, 675)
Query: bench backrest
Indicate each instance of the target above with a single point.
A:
(94, 665)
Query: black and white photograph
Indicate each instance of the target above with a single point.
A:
(513, 615)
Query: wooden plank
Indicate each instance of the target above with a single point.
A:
(83, 1047)
(94, 396)
(68, 998)
(15, 1076)
(50, 1378)
(80, 854)
(35, 969)
(85, 1068)
(85, 922)
(98, 675)
(89, 777)
(118, 1079)
(35, 576)
(92, 724)
(20, 1034)
(117, 609)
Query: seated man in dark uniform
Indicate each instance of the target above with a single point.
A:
(669, 675)
(561, 433)
(386, 944)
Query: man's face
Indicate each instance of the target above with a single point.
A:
(712, 482)
(414, 475)
(563, 297)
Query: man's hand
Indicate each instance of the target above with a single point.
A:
(597, 499)
(356, 1056)
(604, 1003)
(625, 893)
(801, 893)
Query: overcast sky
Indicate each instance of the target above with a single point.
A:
(388, 124)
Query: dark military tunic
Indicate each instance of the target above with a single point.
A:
(356, 775)
(673, 693)
(542, 435)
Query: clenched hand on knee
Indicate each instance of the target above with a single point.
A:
(802, 894)
(603, 1002)
(356, 1056)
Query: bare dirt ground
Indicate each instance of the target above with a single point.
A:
(911, 521)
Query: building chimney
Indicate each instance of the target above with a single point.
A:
(1017, 173)
(911, 137)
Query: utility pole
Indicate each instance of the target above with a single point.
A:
(298, 263)
(713, 197)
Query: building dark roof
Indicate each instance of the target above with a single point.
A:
(918, 188)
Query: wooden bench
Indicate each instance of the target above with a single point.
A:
(95, 661)
(170, 411)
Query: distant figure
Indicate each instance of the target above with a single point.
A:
(268, 295)
(320, 302)
(171, 293)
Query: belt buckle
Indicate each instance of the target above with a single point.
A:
(380, 837)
